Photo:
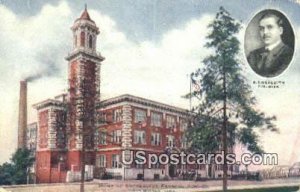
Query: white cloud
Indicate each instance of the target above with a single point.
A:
(28, 46)
(155, 70)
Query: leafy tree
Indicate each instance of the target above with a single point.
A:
(6, 172)
(16, 171)
(226, 113)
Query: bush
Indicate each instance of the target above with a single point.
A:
(16, 171)
(107, 176)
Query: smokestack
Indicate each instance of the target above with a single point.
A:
(22, 115)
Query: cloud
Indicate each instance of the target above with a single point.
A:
(30, 47)
(155, 70)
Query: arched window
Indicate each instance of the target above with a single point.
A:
(82, 39)
(90, 41)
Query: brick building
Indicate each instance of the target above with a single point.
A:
(130, 123)
(68, 121)
(106, 128)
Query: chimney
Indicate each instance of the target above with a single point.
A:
(22, 115)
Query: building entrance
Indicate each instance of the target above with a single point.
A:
(172, 171)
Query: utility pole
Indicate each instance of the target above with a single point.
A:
(83, 119)
(82, 164)
(224, 130)
(85, 132)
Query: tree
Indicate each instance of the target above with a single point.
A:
(16, 171)
(226, 113)
(6, 172)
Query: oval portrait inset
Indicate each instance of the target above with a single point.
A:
(269, 43)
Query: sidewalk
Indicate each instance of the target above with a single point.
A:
(189, 186)
(151, 186)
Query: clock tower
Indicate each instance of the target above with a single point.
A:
(84, 90)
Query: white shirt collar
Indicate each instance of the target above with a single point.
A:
(272, 46)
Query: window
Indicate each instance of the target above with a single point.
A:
(82, 39)
(117, 115)
(156, 119)
(33, 133)
(202, 167)
(170, 139)
(88, 141)
(116, 161)
(139, 166)
(60, 138)
(155, 139)
(96, 136)
(183, 142)
(101, 118)
(28, 135)
(116, 136)
(139, 137)
(171, 122)
(138, 163)
(102, 138)
(140, 115)
(90, 41)
(183, 125)
(155, 166)
(219, 167)
(101, 161)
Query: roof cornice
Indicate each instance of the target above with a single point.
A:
(142, 101)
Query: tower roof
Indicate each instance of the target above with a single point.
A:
(85, 15)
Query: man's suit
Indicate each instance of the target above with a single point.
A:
(270, 63)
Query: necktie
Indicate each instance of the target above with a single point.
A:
(263, 59)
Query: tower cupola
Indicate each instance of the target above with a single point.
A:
(85, 33)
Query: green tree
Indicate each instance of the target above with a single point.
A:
(16, 171)
(6, 172)
(226, 113)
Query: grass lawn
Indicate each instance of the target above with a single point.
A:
(277, 189)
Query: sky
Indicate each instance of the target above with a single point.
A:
(150, 47)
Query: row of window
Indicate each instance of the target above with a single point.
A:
(116, 162)
(82, 40)
(140, 116)
(139, 138)
(115, 137)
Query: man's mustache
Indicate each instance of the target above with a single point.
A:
(266, 36)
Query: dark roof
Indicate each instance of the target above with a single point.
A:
(85, 16)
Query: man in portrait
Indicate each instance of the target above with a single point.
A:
(274, 57)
